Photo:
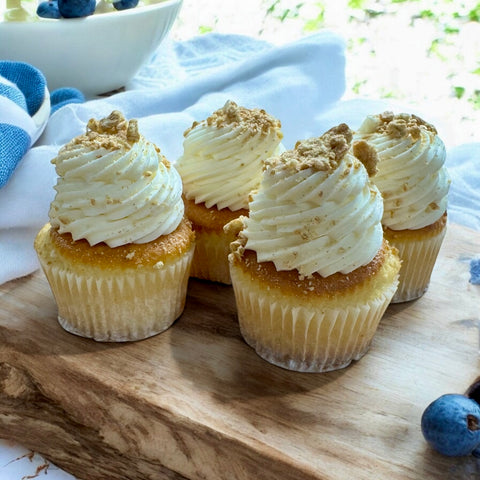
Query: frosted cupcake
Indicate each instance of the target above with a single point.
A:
(117, 250)
(414, 184)
(221, 164)
(311, 272)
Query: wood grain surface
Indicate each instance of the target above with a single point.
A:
(195, 402)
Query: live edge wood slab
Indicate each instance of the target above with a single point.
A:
(196, 402)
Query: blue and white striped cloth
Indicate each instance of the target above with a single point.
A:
(25, 107)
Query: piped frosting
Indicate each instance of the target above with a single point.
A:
(114, 186)
(224, 154)
(411, 174)
(316, 210)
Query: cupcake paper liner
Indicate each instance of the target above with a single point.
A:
(305, 337)
(210, 261)
(120, 306)
(418, 259)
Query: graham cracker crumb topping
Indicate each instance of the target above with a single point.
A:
(367, 154)
(235, 228)
(320, 153)
(112, 133)
(256, 121)
(403, 125)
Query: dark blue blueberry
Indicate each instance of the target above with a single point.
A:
(125, 4)
(475, 271)
(48, 9)
(76, 8)
(451, 425)
(473, 391)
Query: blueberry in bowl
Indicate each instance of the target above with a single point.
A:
(48, 9)
(125, 4)
(76, 8)
(88, 56)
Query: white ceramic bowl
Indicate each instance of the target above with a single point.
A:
(96, 54)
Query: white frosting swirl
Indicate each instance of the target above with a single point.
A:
(315, 214)
(223, 156)
(411, 173)
(114, 190)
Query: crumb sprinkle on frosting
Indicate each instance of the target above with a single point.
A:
(255, 120)
(403, 125)
(367, 154)
(112, 133)
(319, 153)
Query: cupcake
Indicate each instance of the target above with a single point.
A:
(118, 248)
(414, 184)
(311, 271)
(221, 164)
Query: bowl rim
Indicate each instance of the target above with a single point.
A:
(155, 5)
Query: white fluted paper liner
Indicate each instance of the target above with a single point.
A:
(210, 261)
(301, 336)
(122, 305)
(418, 259)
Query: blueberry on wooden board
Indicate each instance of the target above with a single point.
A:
(475, 271)
(451, 425)
(473, 391)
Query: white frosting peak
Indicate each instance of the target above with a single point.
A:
(315, 210)
(223, 155)
(115, 187)
(411, 173)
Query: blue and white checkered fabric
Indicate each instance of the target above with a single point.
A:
(25, 106)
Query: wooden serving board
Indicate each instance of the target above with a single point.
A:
(195, 402)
